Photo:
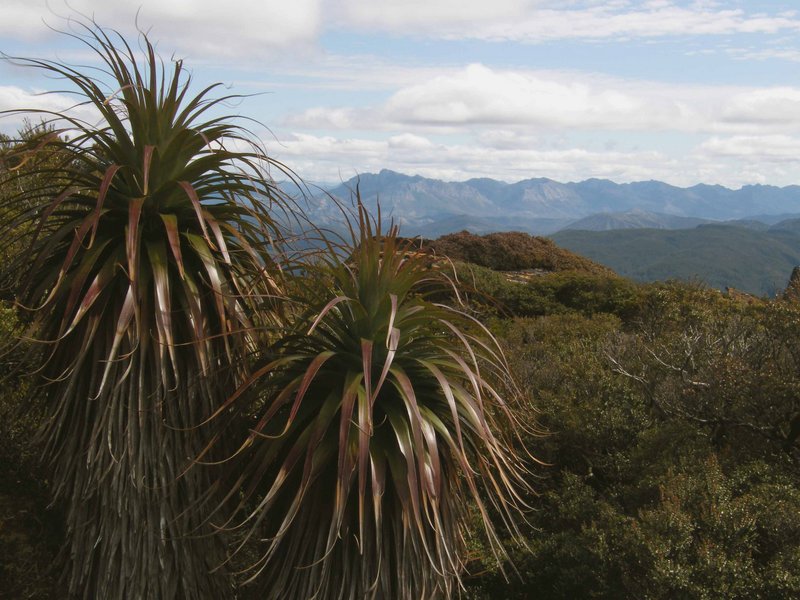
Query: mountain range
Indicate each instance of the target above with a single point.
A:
(431, 207)
(748, 239)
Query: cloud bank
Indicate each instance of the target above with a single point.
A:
(540, 21)
(478, 96)
(200, 28)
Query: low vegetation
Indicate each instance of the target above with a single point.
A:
(673, 445)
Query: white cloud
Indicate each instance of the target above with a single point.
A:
(769, 106)
(332, 72)
(206, 28)
(733, 161)
(477, 98)
(13, 98)
(772, 148)
(253, 29)
(231, 28)
(478, 94)
(409, 141)
(504, 139)
(409, 15)
(761, 54)
(23, 19)
(250, 28)
(538, 21)
(331, 159)
(328, 118)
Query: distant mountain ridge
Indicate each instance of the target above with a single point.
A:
(636, 219)
(430, 207)
(748, 238)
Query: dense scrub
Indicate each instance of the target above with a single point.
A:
(30, 531)
(560, 292)
(673, 449)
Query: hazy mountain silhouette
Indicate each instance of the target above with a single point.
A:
(431, 206)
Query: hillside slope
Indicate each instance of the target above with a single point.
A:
(758, 262)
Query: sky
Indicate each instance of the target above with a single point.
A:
(684, 92)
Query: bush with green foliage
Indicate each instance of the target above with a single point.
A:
(559, 292)
(30, 533)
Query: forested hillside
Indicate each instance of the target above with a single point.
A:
(754, 259)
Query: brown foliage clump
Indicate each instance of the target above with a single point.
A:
(512, 251)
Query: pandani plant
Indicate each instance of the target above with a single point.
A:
(377, 419)
(142, 249)
(382, 425)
